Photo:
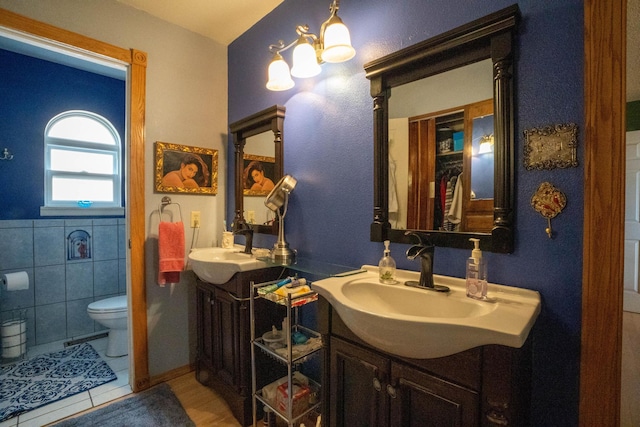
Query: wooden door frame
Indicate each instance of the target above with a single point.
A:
(137, 68)
(603, 238)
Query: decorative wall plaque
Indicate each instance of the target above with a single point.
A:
(551, 147)
(549, 202)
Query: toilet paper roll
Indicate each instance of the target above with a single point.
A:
(14, 338)
(13, 341)
(12, 327)
(16, 281)
(12, 352)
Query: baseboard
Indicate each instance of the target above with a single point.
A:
(169, 375)
(85, 339)
(631, 301)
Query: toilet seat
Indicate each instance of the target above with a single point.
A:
(109, 305)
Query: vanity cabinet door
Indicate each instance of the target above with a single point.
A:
(418, 399)
(204, 354)
(358, 386)
(226, 342)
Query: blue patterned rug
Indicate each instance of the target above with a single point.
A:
(49, 377)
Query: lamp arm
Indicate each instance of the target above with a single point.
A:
(280, 47)
(286, 205)
(302, 30)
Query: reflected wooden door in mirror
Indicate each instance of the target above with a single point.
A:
(258, 144)
(443, 120)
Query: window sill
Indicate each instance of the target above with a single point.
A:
(63, 211)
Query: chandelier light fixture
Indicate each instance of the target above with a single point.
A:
(333, 45)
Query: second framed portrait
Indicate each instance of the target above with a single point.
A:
(258, 175)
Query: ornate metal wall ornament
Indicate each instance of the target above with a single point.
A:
(549, 202)
(551, 147)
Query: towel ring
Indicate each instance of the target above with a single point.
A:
(166, 200)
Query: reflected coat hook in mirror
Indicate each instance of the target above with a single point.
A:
(333, 45)
(6, 155)
(278, 201)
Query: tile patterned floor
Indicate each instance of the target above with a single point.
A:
(72, 405)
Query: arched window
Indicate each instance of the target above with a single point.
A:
(82, 162)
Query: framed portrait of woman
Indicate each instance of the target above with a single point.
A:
(258, 175)
(185, 169)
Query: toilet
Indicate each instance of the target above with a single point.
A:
(112, 313)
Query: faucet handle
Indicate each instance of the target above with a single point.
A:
(246, 231)
(423, 238)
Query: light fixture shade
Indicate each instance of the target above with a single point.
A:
(279, 76)
(305, 63)
(337, 41)
(486, 144)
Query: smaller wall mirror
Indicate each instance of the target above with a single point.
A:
(258, 142)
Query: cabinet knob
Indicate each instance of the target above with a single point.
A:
(496, 418)
(391, 391)
(376, 384)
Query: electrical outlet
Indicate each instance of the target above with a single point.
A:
(251, 217)
(195, 219)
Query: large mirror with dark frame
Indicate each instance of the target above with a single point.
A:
(258, 141)
(443, 137)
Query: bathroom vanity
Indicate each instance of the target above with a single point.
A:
(483, 386)
(403, 356)
(223, 358)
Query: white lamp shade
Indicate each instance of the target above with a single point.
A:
(305, 63)
(485, 147)
(337, 43)
(279, 76)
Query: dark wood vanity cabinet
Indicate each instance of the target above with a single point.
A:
(223, 357)
(369, 389)
(485, 386)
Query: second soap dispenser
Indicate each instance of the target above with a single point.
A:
(476, 273)
(387, 266)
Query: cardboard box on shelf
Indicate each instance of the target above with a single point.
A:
(300, 400)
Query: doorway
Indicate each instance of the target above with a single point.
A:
(134, 62)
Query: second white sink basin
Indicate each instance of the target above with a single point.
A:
(218, 265)
(423, 324)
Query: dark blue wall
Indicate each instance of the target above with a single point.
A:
(32, 92)
(328, 148)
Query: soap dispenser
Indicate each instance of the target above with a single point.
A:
(387, 266)
(476, 273)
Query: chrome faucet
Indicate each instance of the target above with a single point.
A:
(425, 250)
(248, 239)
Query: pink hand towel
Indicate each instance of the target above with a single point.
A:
(170, 252)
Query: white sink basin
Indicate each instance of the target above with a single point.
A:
(423, 324)
(218, 265)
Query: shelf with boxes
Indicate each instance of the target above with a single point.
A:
(290, 395)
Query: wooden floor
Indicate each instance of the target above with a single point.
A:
(207, 409)
(202, 404)
(630, 410)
